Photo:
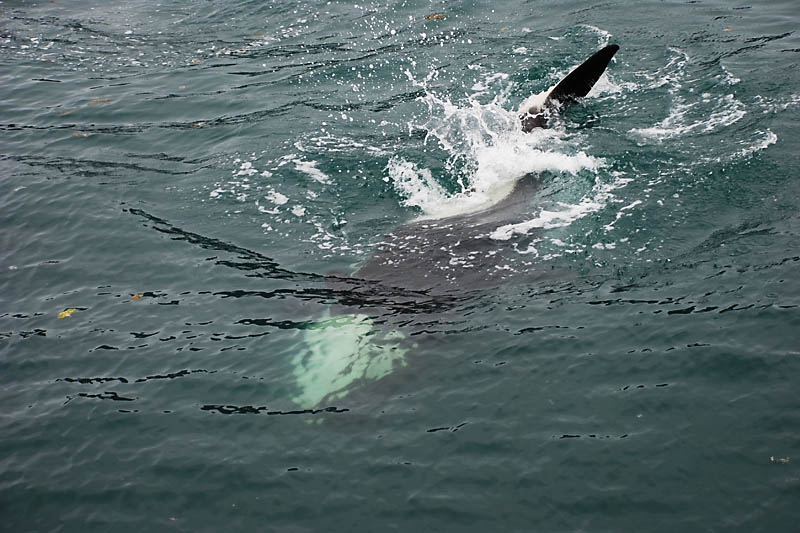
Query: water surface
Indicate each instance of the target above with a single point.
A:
(188, 185)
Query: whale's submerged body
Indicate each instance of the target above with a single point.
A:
(455, 254)
(423, 263)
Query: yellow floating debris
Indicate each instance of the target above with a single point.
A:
(66, 312)
(436, 16)
(727, 29)
(196, 61)
(137, 296)
(79, 134)
(99, 101)
(65, 113)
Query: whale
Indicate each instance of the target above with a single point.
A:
(421, 270)
(418, 275)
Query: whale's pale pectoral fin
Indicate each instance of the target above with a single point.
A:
(573, 87)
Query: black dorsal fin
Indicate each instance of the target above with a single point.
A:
(574, 86)
(580, 81)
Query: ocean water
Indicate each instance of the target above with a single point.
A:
(190, 188)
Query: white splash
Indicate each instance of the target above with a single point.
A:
(246, 169)
(493, 153)
(310, 168)
(276, 197)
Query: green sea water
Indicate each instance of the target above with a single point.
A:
(189, 187)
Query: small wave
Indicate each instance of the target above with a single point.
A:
(332, 144)
(310, 168)
(767, 138)
(603, 36)
(727, 111)
(597, 199)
